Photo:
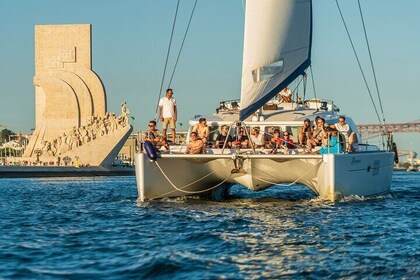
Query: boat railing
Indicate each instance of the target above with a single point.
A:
(228, 106)
(337, 145)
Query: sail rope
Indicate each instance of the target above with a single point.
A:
(295, 91)
(182, 44)
(371, 62)
(358, 61)
(181, 189)
(313, 85)
(305, 81)
(373, 70)
(284, 185)
(166, 61)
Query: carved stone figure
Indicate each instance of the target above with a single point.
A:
(84, 135)
(123, 118)
(103, 128)
(75, 137)
(48, 148)
(54, 147)
(112, 123)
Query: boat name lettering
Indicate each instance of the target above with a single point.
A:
(354, 161)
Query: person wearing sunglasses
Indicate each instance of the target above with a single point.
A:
(287, 142)
(241, 140)
(157, 138)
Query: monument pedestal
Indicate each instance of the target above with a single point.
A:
(72, 125)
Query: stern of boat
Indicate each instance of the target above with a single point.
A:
(362, 174)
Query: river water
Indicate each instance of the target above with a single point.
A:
(92, 227)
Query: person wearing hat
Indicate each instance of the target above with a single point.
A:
(304, 131)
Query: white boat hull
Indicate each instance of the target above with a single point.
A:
(331, 176)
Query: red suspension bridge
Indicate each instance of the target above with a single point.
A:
(377, 129)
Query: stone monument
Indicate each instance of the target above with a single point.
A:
(72, 121)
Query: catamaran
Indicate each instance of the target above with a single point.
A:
(277, 51)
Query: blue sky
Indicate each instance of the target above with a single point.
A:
(130, 40)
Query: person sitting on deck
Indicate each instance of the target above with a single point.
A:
(196, 145)
(202, 130)
(256, 138)
(303, 132)
(345, 130)
(285, 95)
(333, 143)
(275, 142)
(241, 140)
(221, 138)
(157, 138)
(287, 142)
(319, 135)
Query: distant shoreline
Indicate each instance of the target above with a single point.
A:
(55, 171)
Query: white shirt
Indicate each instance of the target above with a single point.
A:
(286, 93)
(344, 129)
(257, 140)
(168, 107)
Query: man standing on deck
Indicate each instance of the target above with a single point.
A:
(168, 112)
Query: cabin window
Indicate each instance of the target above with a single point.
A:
(293, 132)
(214, 132)
(268, 71)
(270, 129)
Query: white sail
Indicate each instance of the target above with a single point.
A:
(277, 48)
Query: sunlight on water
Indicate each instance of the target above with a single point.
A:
(96, 227)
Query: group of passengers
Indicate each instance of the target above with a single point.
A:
(255, 139)
(326, 136)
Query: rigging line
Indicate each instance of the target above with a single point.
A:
(371, 61)
(167, 58)
(296, 86)
(182, 45)
(313, 85)
(313, 80)
(358, 61)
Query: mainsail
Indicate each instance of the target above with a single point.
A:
(277, 49)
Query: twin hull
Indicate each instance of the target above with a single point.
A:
(331, 176)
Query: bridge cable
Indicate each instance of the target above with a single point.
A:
(182, 45)
(166, 62)
(358, 61)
